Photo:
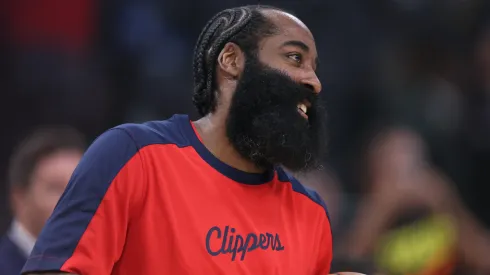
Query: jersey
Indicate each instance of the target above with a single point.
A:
(151, 199)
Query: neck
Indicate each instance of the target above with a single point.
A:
(25, 214)
(212, 130)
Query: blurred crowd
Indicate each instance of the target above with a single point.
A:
(406, 84)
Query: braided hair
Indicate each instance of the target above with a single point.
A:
(244, 26)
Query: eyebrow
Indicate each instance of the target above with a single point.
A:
(301, 45)
(296, 43)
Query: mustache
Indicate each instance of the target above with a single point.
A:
(281, 87)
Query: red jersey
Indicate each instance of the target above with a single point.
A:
(151, 199)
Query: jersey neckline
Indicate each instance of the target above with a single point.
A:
(225, 169)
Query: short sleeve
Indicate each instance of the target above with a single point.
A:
(86, 233)
(325, 254)
(321, 225)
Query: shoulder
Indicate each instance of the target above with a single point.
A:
(162, 132)
(6, 245)
(12, 256)
(298, 187)
(120, 147)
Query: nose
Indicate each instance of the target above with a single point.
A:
(312, 82)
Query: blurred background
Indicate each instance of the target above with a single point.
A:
(406, 84)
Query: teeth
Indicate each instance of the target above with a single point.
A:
(302, 107)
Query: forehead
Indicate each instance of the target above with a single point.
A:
(58, 162)
(290, 28)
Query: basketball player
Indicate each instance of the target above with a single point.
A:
(209, 196)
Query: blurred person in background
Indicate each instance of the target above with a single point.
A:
(412, 221)
(51, 73)
(411, 218)
(39, 171)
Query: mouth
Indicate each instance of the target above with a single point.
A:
(303, 108)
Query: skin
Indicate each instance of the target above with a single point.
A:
(298, 60)
(33, 205)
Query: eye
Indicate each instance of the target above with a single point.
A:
(296, 57)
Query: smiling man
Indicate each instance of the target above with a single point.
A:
(207, 197)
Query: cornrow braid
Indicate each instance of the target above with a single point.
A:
(244, 26)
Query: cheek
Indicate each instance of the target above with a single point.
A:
(295, 73)
(46, 200)
(277, 62)
(45, 208)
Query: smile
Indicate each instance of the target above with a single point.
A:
(303, 108)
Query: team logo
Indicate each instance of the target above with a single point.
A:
(238, 244)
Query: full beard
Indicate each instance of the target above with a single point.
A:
(265, 126)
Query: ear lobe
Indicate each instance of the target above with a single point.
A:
(229, 59)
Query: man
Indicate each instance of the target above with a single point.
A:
(38, 174)
(207, 197)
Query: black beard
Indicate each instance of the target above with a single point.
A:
(264, 124)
